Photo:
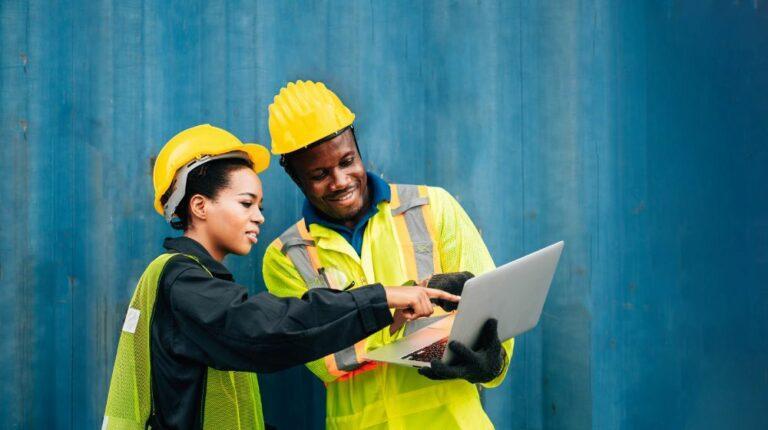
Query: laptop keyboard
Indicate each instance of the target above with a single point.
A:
(433, 351)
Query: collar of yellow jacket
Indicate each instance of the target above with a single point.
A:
(327, 238)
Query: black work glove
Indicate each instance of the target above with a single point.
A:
(483, 363)
(451, 283)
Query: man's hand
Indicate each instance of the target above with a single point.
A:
(481, 364)
(449, 282)
(414, 302)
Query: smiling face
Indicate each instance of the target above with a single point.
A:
(333, 179)
(230, 222)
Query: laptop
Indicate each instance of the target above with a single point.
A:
(514, 294)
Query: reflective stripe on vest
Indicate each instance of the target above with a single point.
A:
(231, 398)
(297, 244)
(415, 230)
(300, 248)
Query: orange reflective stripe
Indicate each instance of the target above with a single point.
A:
(313, 257)
(406, 246)
(330, 365)
(394, 200)
(367, 367)
(297, 248)
(360, 348)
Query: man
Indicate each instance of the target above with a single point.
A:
(358, 229)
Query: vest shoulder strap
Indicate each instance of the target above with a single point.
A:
(415, 229)
(300, 248)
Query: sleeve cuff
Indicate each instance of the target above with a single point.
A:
(372, 306)
(508, 346)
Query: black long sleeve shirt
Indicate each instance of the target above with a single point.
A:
(201, 321)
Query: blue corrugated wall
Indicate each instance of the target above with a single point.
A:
(635, 131)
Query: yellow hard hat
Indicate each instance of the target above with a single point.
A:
(303, 113)
(191, 148)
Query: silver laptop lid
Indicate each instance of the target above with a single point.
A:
(514, 294)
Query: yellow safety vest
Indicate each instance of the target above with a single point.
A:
(232, 399)
(420, 231)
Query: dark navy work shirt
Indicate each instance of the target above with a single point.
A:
(380, 192)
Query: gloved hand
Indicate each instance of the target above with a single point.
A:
(449, 282)
(483, 363)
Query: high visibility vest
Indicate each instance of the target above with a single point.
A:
(414, 227)
(232, 399)
(402, 243)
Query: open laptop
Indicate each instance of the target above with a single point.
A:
(514, 294)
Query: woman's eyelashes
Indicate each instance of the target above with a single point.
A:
(248, 205)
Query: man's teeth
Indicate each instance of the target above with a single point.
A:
(344, 196)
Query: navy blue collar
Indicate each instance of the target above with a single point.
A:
(380, 192)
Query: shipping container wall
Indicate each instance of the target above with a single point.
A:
(635, 131)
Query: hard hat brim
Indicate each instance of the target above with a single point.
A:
(258, 154)
(317, 142)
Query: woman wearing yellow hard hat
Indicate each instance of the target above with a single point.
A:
(191, 334)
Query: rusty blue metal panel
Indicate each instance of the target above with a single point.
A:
(633, 130)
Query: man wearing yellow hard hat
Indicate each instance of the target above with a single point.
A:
(357, 229)
(191, 333)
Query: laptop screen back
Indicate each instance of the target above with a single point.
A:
(514, 294)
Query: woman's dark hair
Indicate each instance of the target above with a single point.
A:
(207, 180)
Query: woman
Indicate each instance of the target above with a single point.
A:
(191, 333)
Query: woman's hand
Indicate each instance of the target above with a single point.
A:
(397, 321)
(414, 302)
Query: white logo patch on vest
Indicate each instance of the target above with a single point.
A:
(131, 320)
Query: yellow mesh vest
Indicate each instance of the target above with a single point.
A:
(232, 399)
